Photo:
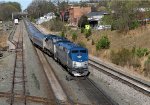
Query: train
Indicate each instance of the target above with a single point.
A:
(72, 56)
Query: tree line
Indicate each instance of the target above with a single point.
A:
(7, 8)
(38, 8)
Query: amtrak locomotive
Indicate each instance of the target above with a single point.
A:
(70, 55)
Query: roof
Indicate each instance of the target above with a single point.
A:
(69, 45)
(96, 13)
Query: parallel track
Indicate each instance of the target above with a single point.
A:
(18, 83)
(136, 84)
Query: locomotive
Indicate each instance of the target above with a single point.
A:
(69, 54)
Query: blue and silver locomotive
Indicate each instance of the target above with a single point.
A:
(74, 57)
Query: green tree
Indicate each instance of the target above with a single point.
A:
(124, 13)
(9, 8)
(83, 21)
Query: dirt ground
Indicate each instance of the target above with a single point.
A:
(3, 39)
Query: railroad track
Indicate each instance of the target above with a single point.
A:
(17, 94)
(18, 81)
(136, 84)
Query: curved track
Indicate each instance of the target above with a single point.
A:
(136, 84)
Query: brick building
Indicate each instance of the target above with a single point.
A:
(76, 12)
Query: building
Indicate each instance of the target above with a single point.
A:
(76, 12)
(95, 18)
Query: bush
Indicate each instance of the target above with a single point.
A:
(140, 52)
(55, 25)
(74, 36)
(103, 43)
(82, 30)
(133, 25)
(147, 67)
(93, 42)
(88, 33)
(83, 21)
(62, 34)
(82, 44)
(121, 57)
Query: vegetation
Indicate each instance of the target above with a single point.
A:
(87, 33)
(55, 25)
(140, 52)
(83, 21)
(62, 34)
(74, 36)
(122, 57)
(40, 7)
(9, 8)
(147, 67)
(126, 14)
(103, 43)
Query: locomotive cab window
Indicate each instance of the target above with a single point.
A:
(74, 51)
(82, 51)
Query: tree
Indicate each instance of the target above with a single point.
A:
(83, 21)
(124, 14)
(9, 8)
(38, 8)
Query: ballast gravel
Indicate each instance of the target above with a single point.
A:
(118, 91)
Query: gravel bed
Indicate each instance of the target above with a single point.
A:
(119, 92)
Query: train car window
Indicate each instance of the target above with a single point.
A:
(83, 51)
(74, 51)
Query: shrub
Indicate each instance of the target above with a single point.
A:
(83, 21)
(62, 34)
(93, 42)
(140, 52)
(55, 25)
(133, 25)
(121, 57)
(82, 30)
(147, 67)
(74, 36)
(88, 33)
(82, 44)
(103, 43)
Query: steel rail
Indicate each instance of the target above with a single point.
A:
(19, 60)
(136, 84)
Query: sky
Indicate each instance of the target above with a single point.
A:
(25, 3)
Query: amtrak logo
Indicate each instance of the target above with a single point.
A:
(79, 56)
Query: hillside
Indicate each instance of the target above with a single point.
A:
(135, 38)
